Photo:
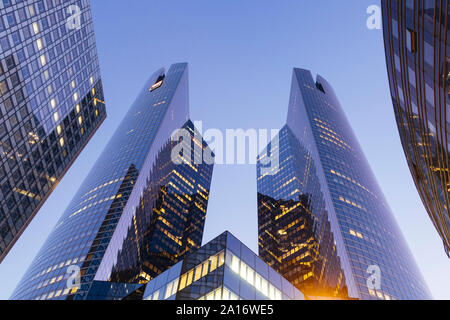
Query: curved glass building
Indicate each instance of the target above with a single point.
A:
(138, 212)
(416, 37)
(324, 223)
(51, 103)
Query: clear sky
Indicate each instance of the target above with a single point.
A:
(241, 55)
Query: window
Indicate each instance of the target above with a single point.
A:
(171, 289)
(411, 40)
(35, 27)
(213, 263)
(3, 87)
(39, 44)
(43, 60)
(198, 273)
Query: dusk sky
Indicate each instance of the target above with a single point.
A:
(241, 55)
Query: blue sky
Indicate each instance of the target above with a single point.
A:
(241, 55)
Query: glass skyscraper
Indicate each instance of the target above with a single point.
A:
(51, 103)
(138, 211)
(416, 37)
(324, 223)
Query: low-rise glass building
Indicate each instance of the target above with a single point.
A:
(223, 269)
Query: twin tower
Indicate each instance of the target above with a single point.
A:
(324, 224)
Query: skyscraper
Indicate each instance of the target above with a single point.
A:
(137, 212)
(418, 60)
(324, 223)
(51, 103)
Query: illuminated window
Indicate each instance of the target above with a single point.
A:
(171, 289)
(250, 276)
(39, 44)
(198, 273)
(183, 281)
(221, 259)
(73, 84)
(56, 116)
(75, 96)
(80, 120)
(189, 278)
(235, 264)
(213, 263)
(91, 80)
(35, 27)
(205, 268)
(158, 83)
(61, 142)
(78, 108)
(43, 60)
(59, 129)
(243, 271)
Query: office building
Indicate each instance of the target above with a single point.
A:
(324, 223)
(51, 103)
(418, 61)
(139, 210)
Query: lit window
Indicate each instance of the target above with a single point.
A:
(183, 281)
(59, 129)
(91, 80)
(78, 108)
(189, 278)
(80, 120)
(221, 259)
(75, 96)
(56, 116)
(250, 276)
(235, 264)
(39, 44)
(35, 27)
(61, 142)
(198, 273)
(43, 60)
(213, 263)
(258, 282)
(264, 287)
(73, 84)
(205, 268)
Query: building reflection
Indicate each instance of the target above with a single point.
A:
(295, 236)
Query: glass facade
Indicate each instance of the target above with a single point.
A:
(110, 211)
(170, 218)
(418, 60)
(323, 220)
(51, 103)
(223, 269)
